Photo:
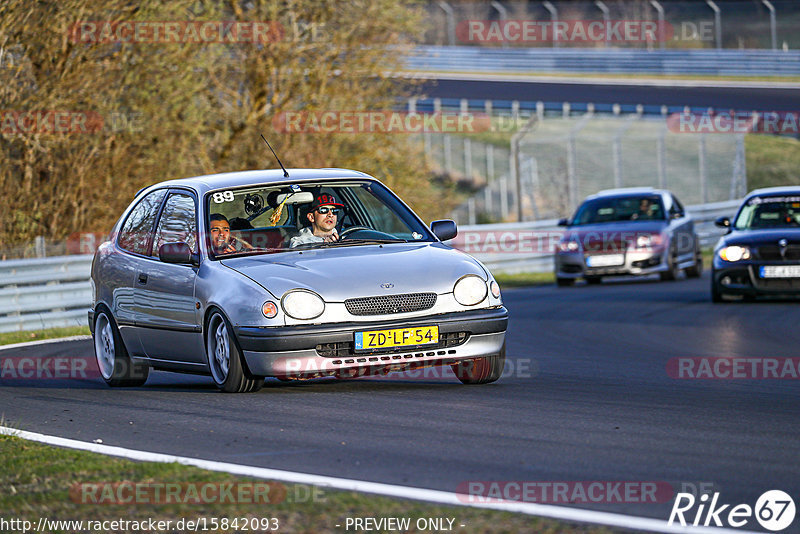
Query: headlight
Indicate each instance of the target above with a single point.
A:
(734, 253)
(568, 246)
(302, 304)
(469, 290)
(495, 289)
(648, 240)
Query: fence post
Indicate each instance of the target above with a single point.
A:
(661, 159)
(701, 150)
(489, 177)
(39, 246)
(448, 154)
(468, 159)
(504, 197)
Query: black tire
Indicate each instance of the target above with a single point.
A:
(115, 365)
(593, 279)
(716, 293)
(672, 271)
(481, 370)
(696, 270)
(564, 282)
(225, 360)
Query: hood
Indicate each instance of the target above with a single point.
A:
(767, 236)
(337, 274)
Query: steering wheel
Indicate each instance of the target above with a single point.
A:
(354, 229)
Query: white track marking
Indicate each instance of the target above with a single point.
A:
(404, 492)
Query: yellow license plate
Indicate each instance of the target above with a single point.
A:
(398, 337)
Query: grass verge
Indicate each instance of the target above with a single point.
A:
(524, 279)
(8, 338)
(43, 481)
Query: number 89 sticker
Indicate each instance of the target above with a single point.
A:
(225, 196)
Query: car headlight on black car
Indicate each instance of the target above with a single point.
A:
(302, 304)
(470, 290)
(734, 253)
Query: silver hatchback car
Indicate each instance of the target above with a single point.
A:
(248, 275)
(631, 231)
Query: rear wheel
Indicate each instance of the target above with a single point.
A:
(225, 359)
(697, 269)
(564, 282)
(116, 366)
(593, 279)
(481, 370)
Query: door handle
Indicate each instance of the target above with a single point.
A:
(142, 278)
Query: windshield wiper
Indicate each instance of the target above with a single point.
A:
(345, 242)
(252, 252)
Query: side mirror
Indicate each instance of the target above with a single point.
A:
(723, 222)
(563, 222)
(444, 229)
(176, 253)
(676, 215)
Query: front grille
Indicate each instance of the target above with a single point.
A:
(778, 284)
(773, 253)
(344, 349)
(385, 305)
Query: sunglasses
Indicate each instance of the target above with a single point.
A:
(324, 211)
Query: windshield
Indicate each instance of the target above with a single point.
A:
(280, 217)
(615, 209)
(769, 212)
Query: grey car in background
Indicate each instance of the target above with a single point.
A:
(388, 295)
(632, 231)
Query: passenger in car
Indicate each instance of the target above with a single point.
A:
(222, 242)
(323, 216)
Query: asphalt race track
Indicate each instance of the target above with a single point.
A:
(720, 98)
(588, 399)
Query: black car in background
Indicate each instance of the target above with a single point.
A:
(760, 254)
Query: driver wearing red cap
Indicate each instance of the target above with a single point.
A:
(323, 216)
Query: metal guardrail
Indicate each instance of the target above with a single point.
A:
(538, 60)
(54, 292)
(44, 293)
(540, 234)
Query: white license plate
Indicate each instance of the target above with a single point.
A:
(605, 260)
(780, 271)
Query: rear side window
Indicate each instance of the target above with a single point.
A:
(138, 227)
(178, 223)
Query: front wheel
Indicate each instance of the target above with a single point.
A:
(564, 282)
(225, 359)
(716, 293)
(481, 370)
(116, 366)
(672, 269)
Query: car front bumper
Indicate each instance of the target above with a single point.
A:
(743, 279)
(325, 350)
(635, 262)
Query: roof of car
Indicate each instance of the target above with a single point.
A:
(208, 182)
(625, 191)
(790, 189)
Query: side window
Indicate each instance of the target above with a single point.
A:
(676, 208)
(135, 233)
(178, 223)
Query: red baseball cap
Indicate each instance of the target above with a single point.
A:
(325, 199)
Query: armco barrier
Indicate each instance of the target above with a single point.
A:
(53, 292)
(44, 293)
(538, 60)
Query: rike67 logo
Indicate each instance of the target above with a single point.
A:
(774, 511)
